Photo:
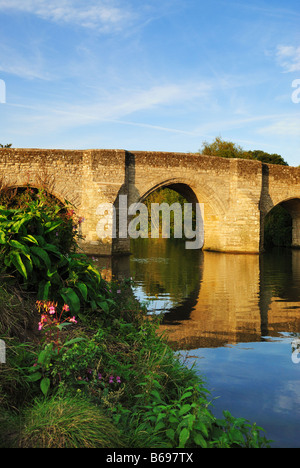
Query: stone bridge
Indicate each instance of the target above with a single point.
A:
(236, 194)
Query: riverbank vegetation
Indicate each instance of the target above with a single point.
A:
(85, 365)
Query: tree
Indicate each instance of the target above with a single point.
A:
(223, 149)
(6, 146)
(268, 158)
(228, 149)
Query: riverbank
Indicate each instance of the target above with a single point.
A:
(113, 386)
(84, 364)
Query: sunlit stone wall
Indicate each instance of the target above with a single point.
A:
(236, 194)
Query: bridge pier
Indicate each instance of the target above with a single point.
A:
(296, 232)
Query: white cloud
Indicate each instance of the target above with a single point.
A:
(288, 58)
(112, 109)
(17, 63)
(283, 126)
(100, 14)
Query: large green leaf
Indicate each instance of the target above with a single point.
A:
(28, 263)
(17, 262)
(83, 289)
(18, 224)
(199, 440)
(51, 248)
(34, 377)
(42, 254)
(52, 225)
(45, 385)
(44, 289)
(17, 245)
(70, 297)
(183, 437)
(30, 238)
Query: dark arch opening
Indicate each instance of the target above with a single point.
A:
(172, 193)
(165, 272)
(181, 188)
(282, 225)
(16, 195)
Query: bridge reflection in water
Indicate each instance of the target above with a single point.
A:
(238, 317)
(213, 299)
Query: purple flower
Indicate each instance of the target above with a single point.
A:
(111, 379)
(99, 376)
(118, 379)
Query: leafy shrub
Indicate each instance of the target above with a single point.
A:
(38, 240)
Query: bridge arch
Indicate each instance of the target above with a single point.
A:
(214, 209)
(200, 193)
(290, 205)
(52, 193)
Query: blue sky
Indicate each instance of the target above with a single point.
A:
(159, 75)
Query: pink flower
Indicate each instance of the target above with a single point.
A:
(52, 310)
(118, 379)
(73, 320)
(119, 291)
(111, 379)
(66, 307)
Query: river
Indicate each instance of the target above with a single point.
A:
(236, 318)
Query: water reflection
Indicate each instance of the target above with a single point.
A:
(212, 299)
(239, 317)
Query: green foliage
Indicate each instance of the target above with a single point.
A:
(14, 389)
(67, 422)
(113, 382)
(228, 149)
(267, 158)
(222, 149)
(232, 432)
(278, 228)
(169, 196)
(38, 240)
